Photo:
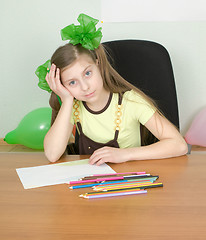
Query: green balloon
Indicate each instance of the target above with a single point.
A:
(32, 129)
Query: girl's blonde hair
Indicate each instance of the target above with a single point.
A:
(112, 81)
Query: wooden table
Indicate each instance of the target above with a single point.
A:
(176, 211)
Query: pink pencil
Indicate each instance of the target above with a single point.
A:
(98, 175)
(112, 175)
(96, 180)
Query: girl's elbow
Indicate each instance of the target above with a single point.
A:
(52, 156)
(183, 147)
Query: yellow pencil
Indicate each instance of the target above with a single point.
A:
(133, 186)
(122, 184)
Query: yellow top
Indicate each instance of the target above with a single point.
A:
(100, 127)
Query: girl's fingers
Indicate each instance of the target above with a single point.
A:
(52, 72)
(52, 76)
(57, 76)
(100, 162)
(49, 81)
(98, 155)
(57, 81)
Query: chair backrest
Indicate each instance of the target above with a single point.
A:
(147, 65)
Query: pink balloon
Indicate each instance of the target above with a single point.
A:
(196, 135)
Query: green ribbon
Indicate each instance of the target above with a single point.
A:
(84, 34)
(41, 72)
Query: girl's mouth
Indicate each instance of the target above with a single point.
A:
(90, 95)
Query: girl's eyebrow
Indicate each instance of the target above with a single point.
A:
(86, 68)
(72, 79)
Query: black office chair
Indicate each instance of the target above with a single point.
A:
(146, 65)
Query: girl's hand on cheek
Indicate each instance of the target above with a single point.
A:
(109, 154)
(53, 79)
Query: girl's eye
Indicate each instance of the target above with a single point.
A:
(72, 83)
(88, 73)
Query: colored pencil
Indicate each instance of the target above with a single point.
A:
(113, 182)
(108, 179)
(128, 189)
(99, 188)
(121, 185)
(111, 174)
(125, 173)
(110, 191)
(137, 186)
(114, 194)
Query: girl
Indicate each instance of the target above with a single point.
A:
(106, 109)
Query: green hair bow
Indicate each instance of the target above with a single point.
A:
(41, 72)
(85, 33)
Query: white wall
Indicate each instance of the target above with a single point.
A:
(152, 10)
(30, 33)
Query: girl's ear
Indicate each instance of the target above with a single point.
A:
(97, 62)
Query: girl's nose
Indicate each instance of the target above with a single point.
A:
(84, 86)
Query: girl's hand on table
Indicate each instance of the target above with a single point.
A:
(109, 154)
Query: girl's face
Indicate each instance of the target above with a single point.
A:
(83, 80)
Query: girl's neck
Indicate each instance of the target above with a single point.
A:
(100, 103)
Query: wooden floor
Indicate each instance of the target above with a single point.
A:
(5, 147)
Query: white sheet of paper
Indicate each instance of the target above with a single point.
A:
(33, 177)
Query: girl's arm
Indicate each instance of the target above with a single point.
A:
(56, 140)
(171, 144)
